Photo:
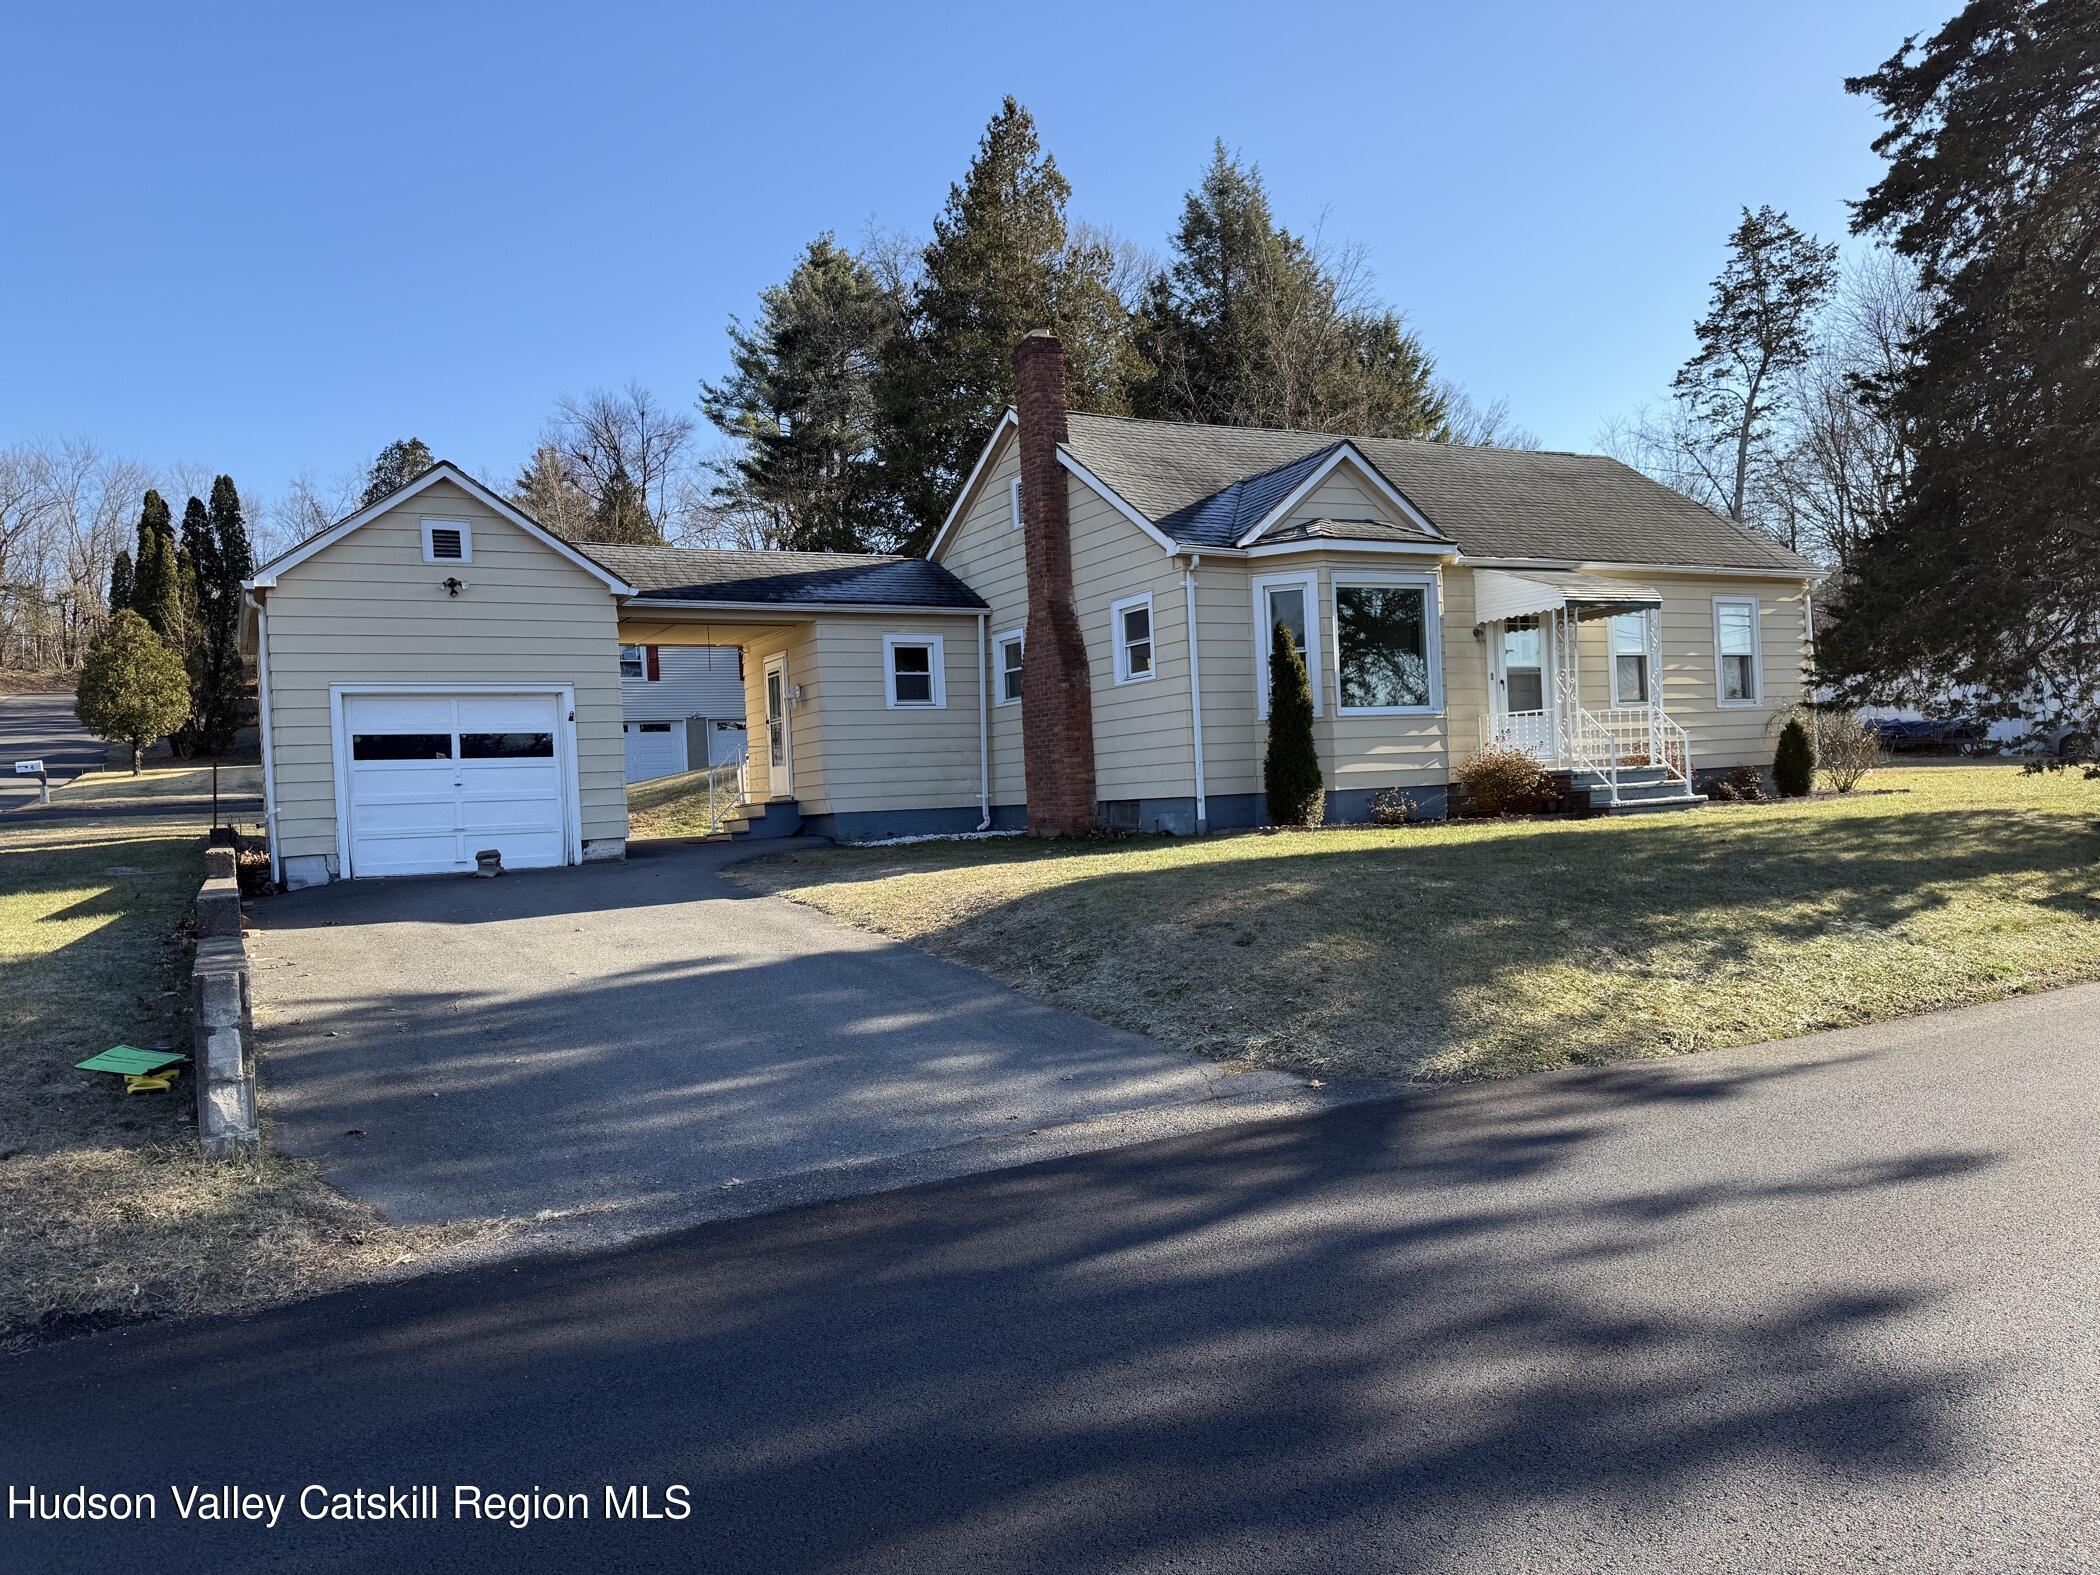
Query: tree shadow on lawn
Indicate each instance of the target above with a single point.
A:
(1546, 943)
(1420, 1325)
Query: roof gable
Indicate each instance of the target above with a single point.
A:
(1008, 423)
(443, 471)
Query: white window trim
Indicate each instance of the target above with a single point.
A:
(641, 655)
(1432, 641)
(999, 644)
(936, 662)
(466, 539)
(1309, 582)
(1013, 497)
(1757, 654)
(1646, 654)
(1115, 638)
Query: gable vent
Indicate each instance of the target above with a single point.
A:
(445, 543)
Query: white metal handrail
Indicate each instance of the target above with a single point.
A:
(720, 801)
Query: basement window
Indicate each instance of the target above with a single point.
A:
(448, 541)
(913, 670)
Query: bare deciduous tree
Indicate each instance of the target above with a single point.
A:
(605, 436)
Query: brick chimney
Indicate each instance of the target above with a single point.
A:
(1057, 704)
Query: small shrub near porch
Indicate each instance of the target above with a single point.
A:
(1502, 782)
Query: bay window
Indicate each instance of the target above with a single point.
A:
(1385, 643)
(1293, 601)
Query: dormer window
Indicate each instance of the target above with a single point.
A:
(448, 541)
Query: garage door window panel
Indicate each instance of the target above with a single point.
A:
(506, 746)
(401, 746)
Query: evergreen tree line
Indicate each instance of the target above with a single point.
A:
(859, 394)
(185, 587)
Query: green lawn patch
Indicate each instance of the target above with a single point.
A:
(108, 1211)
(679, 806)
(1480, 949)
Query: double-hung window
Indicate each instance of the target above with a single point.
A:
(913, 672)
(1385, 644)
(1629, 660)
(632, 662)
(1006, 650)
(1736, 649)
(1013, 502)
(1293, 601)
(1130, 622)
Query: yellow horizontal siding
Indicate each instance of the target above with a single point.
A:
(369, 610)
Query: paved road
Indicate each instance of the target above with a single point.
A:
(42, 727)
(1828, 1306)
(645, 1044)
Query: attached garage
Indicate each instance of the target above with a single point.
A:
(433, 779)
(438, 676)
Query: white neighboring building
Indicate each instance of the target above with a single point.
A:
(682, 707)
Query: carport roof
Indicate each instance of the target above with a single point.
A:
(708, 575)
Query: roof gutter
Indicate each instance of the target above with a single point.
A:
(1589, 565)
(885, 608)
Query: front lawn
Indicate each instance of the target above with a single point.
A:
(1479, 949)
(108, 1210)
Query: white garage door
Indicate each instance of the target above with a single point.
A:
(654, 749)
(434, 779)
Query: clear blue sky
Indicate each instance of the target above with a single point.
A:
(272, 238)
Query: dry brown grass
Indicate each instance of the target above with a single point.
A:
(108, 1211)
(1471, 949)
(677, 806)
(13, 681)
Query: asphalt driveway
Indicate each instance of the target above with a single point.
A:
(633, 1045)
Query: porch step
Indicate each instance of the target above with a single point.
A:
(761, 821)
(1628, 805)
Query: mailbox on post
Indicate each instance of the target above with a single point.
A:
(35, 768)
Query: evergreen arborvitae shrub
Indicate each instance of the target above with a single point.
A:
(133, 688)
(1794, 763)
(1291, 773)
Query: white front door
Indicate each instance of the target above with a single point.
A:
(780, 746)
(1521, 683)
(433, 779)
(654, 749)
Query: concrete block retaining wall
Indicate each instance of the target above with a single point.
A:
(222, 1013)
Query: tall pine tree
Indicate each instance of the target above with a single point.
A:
(399, 463)
(123, 585)
(1250, 326)
(157, 589)
(800, 402)
(1001, 262)
(193, 556)
(223, 558)
(1988, 572)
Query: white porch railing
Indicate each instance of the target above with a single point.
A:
(1606, 743)
(728, 786)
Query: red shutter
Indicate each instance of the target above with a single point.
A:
(652, 666)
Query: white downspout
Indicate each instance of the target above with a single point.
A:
(269, 760)
(1188, 586)
(984, 724)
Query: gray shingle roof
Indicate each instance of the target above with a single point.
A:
(1199, 484)
(788, 579)
(1347, 530)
